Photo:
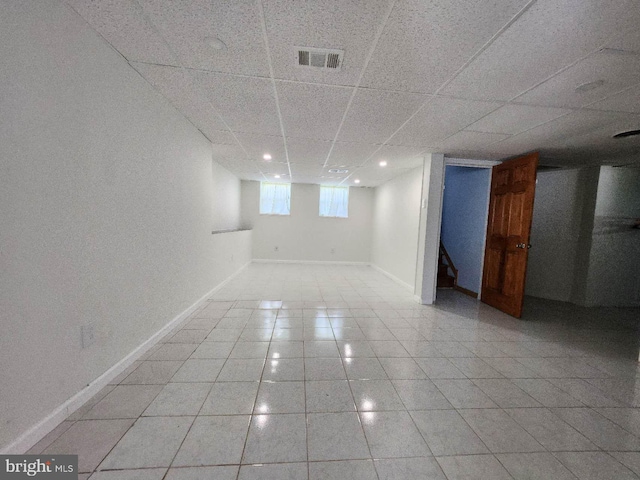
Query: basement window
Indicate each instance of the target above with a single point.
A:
(334, 202)
(275, 198)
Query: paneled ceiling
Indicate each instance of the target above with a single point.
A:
(482, 79)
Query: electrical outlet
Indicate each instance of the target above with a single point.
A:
(333, 250)
(275, 249)
(88, 335)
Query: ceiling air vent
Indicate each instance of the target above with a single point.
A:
(320, 58)
(338, 170)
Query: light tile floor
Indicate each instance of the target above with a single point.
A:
(316, 372)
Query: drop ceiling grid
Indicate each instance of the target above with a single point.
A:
(620, 102)
(372, 48)
(184, 25)
(486, 45)
(551, 36)
(611, 42)
(125, 29)
(273, 84)
(618, 72)
(570, 102)
(230, 105)
(187, 73)
(434, 40)
(339, 24)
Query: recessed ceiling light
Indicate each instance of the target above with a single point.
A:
(383, 163)
(276, 176)
(266, 156)
(216, 43)
(356, 181)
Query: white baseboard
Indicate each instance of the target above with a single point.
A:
(310, 262)
(32, 436)
(406, 285)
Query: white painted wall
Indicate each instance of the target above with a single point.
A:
(396, 221)
(584, 250)
(226, 199)
(304, 235)
(614, 260)
(106, 211)
(555, 234)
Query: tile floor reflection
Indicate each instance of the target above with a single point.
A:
(317, 372)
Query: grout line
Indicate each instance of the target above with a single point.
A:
(414, 321)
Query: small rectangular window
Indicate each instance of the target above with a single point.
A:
(334, 202)
(275, 198)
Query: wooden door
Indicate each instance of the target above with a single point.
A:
(513, 185)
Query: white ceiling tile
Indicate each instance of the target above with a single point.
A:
(424, 43)
(351, 154)
(468, 140)
(626, 101)
(233, 152)
(308, 151)
(551, 35)
(180, 89)
(247, 104)
(374, 176)
(257, 145)
(439, 119)
(616, 72)
(628, 41)
(348, 25)
(272, 168)
(375, 114)
(326, 175)
(218, 136)
(553, 135)
(243, 169)
(298, 170)
(603, 136)
(122, 23)
(513, 119)
(188, 27)
(398, 157)
(312, 111)
(229, 96)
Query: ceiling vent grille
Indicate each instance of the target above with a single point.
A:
(320, 58)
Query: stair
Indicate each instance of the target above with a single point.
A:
(445, 279)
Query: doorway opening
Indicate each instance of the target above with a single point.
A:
(463, 229)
